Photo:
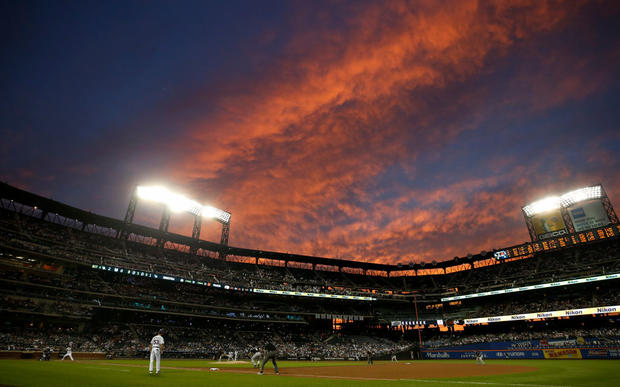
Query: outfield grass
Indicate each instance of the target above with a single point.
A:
(108, 373)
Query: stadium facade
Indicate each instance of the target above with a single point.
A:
(108, 284)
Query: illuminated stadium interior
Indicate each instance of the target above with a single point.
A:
(66, 265)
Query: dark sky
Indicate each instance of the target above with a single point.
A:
(386, 131)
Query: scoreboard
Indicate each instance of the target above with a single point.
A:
(560, 242)
(577, 211)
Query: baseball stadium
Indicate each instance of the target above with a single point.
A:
(324, 193)
(97, 289)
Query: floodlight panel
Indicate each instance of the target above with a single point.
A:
(578, 195)
(543, 205)
(155, 193)
(175, 202)
(179, 203)
(212, 212)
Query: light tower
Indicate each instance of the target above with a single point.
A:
(175, 203)
(575, 211)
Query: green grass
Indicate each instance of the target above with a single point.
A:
(109, 373)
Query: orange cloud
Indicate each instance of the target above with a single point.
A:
(297, 154)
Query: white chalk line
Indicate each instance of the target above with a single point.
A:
(481, 383)
(104, 368)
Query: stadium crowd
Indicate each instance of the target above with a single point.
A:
(608, 336)
(48, 275)
(32, 234)
(132, 340)
(552, 300)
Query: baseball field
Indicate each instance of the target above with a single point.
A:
(187, 373)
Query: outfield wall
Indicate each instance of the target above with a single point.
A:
(530, 349)
(36, 355)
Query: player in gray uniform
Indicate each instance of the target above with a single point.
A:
(270, 353)
(156, 348)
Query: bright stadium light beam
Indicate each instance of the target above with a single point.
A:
(543, 205)
(154, 194)
(179, 203)
(581, 194)
(212, 212)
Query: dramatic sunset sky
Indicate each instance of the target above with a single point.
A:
(382, 131)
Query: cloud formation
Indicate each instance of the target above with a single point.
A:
(326, 151)
(389, 131)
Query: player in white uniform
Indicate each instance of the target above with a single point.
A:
(156, 348)
(69, 352)
(256, 358)
(479, 358)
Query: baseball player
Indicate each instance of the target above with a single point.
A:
(46, 355)
(256, 357)
(479, 358)
(394, 359)
(270, 353)
(69, 352)
(156, 348)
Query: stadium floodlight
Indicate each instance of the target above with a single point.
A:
(155, 194)
(182, 204)
(176, 202)
(179, 203)
(578, 195)
(543, 205)
(212, 212)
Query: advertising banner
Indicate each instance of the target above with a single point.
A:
(535, 287)
(580, 348)
(563, 353)
(588, 215)
(470, 354)
(555, 353)
(549, 224)
(601, 353)
(549, 314)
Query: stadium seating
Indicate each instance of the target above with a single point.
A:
(61, 284)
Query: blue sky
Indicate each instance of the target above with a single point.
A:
(380, 131)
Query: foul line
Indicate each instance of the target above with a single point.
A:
(103, 368)
(482, 383)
